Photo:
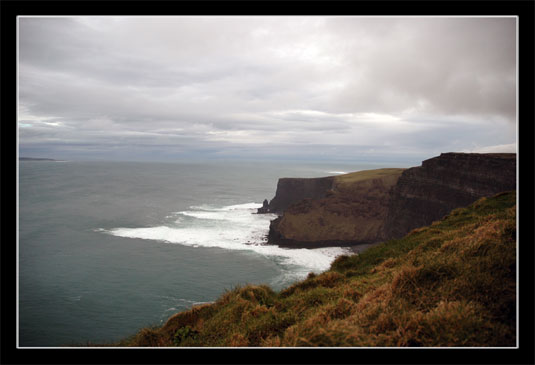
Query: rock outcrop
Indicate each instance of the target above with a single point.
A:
(265, 207)
(429, 192)
(376, 205)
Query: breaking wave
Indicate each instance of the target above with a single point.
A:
(233, 227)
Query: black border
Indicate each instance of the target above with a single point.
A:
(525, 10)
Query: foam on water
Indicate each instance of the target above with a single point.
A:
(234, 227)
(246, 206)
(337, 172)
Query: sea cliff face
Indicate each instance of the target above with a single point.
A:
(292, 190)
(352, 212)
(427, 193)
(376, 205)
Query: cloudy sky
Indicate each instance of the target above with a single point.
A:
(318, 88)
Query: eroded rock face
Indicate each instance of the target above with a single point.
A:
(292, 190)
(429, 192)
(352, 212)
(376, 205)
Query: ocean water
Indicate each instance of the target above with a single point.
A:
(106, 248)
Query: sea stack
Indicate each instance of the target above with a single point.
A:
(265, 207)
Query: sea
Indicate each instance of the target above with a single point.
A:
(107, 248)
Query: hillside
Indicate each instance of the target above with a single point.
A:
(449, 284)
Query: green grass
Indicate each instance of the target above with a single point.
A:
(367, 175)
(452, 283)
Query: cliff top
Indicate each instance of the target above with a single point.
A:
(475, 155)
(307, 178)
(446, 157)
(354, 177)
(498, 154)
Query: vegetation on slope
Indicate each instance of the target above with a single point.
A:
(449, 284)
(353, 177)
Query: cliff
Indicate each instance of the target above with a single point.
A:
(427, 193)
(351, 212)
(292, 190)
(376, 205)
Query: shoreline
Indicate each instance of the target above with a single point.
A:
(356, 249)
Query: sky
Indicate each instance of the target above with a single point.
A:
(298, 88)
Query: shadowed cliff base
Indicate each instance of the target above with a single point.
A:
(288, 243)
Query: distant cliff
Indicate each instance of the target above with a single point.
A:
(375, 205)
(35, 159)
(351, 212)
(292, 190)
(427, 193)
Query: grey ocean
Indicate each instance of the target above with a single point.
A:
(106, 248)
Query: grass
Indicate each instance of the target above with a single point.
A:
(367, 175)
(452, 283)
(349, 184)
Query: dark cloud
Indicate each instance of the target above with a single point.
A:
(266, 86)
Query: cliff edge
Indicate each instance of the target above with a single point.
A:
(376, 205)
(452, 180)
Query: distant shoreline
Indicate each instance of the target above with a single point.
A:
(36, 159)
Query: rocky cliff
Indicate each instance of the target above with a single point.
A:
(351, 212)
(427, 193)
(376, 205)
(292, 190)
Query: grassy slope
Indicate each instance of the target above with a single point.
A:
(354, 177)
(448, 284)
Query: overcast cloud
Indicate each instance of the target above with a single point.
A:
(341, 88)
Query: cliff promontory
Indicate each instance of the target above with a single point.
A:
(376, 205)
(351, 212)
